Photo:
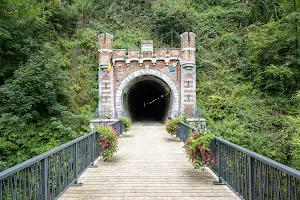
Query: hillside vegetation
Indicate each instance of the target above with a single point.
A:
(248, 68)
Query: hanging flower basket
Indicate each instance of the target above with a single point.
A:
(172, 126)
(108, 141)
(197, 148)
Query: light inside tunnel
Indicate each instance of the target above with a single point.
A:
(148, 99)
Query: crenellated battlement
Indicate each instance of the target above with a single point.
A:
(105, 42)
(130, 57)
(185, 55)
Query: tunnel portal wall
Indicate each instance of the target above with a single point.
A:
(174, 66)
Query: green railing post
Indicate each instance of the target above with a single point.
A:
(93, 147)
(44, 178)
(251, 167)
(219, 162)
(219, 166)
(76, 162)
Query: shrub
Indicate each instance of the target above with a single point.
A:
(172, 125)
(108, 141)
(197, 148)
(126, 121)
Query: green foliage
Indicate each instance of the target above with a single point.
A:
(21, 141)
(35, 90)
(127, 122)
(264, 10)
(248, 68)
(129, 38)
(172, 125)
(197, 148)
(271, 51)
(22, 32)
(248, 72)
(169, 18)
(108, 141)
(48, 78)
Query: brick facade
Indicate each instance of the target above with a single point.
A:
(131, 64)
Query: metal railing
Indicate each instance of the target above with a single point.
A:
(250, 175)
(183, 131)
(119, 126)
(48, 175)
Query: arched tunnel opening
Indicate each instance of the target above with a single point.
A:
(148, 99)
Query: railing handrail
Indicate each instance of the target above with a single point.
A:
(27, 163)
(248, 174)
(112, 123)
(55, 170)
(293, 172)
(194, 128)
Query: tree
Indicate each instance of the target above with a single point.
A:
(35, 90)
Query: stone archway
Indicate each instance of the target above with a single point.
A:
(147, 72)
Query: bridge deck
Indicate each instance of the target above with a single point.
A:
(150, 164)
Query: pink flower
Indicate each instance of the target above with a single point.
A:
(210, 150)
(206, 158)
(100, 153)
(100, 139)
(193, 152)
(202, 150)
(213, 159)
(199, 147)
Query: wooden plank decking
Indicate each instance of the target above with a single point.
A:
(150, 164)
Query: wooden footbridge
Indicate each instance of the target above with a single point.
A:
(150, 164)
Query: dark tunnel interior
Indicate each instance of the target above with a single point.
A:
(145, 101)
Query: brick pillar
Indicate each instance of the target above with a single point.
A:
(105, 81)
(188, 75)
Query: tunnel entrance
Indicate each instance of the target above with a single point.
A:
(148, 99)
